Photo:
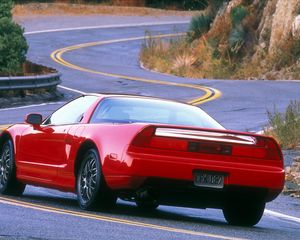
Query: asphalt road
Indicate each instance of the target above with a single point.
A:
(48, 214)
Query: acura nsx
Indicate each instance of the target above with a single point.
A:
(142, 149)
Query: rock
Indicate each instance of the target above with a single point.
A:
(265, 25)
(292, 179)
(232, 4)
(297, 160)
(291, 186)
(296, 27)
(282, 22)
(263, 45)
(295, 195)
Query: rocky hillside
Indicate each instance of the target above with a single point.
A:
(241, 39)
(275, 36)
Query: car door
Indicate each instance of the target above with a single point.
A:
(44, 150)
(41, 151)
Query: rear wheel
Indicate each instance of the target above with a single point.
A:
(92, 192)
(9, 185)
(246, 214)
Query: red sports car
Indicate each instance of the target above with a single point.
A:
(147, 150)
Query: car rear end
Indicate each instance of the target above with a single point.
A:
(204, 168)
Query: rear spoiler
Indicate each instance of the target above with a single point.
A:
(206, 135)
(211, 141)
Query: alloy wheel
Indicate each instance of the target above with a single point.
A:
(88, 178)
(5, 165)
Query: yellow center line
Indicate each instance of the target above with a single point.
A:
(3, 127)
(43, 208)
(209, 93)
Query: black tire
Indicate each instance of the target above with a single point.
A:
(9, 185)
(92, 191)
(247, 214)
(148, 205)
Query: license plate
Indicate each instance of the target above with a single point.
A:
(209, 179)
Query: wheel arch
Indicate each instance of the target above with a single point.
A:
(86, 145)
(4, 137)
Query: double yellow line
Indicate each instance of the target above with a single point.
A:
(86, 215)
(3, 127)
(209, 93)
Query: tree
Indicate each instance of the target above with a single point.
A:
(13, 45)
(5, 8)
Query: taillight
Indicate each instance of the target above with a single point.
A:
(265, 148)
(169, 143)
(144, 137)
(273, 150)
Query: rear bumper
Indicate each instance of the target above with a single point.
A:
(238, 174)
(185, 194)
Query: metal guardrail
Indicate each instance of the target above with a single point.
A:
(30, 82)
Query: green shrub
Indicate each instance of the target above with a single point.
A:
(236, 39)
(238, 14)
(199, 25)
(13, 45)
(286, 127)
(5, 8)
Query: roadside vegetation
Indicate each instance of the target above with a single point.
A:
(285, 127)
(13, 45)
(13, 62)
(238, 39)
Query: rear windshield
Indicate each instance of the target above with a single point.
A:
(131, 110)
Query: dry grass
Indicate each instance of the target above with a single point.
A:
(87, 9)
(166, 56)
(286, 127)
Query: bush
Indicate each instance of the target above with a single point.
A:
(199, 25)
(13, 45)
(237, 35)
(236, 39)
(238, 14)
(286, 127)
(5, 9)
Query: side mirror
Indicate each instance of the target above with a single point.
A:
(34, 119)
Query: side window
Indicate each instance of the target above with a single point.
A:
(72, 112)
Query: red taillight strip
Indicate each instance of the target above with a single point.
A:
(205, 135)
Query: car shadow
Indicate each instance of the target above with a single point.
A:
(123, 210)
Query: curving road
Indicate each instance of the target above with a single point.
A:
(114, 67)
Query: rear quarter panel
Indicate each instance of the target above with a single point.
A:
(111, 141)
